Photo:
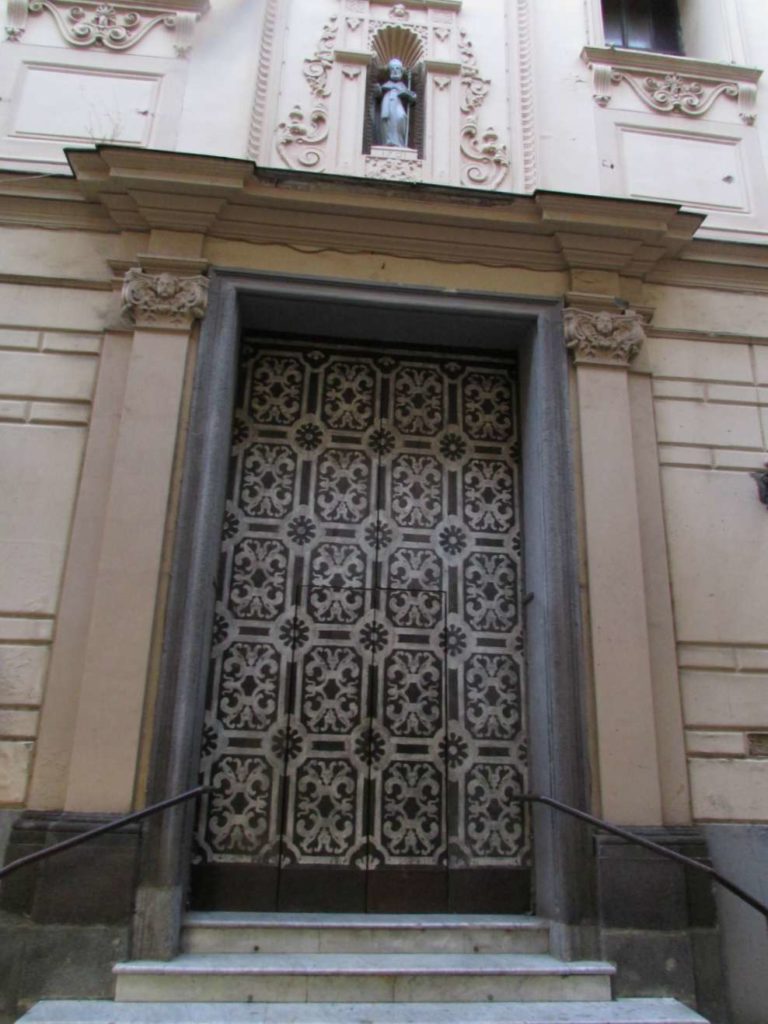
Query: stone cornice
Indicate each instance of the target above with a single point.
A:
(662, 63)
(122, 189)
(603, 337)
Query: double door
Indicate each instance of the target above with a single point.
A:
(364, 734)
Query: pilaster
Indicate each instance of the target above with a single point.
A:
(603, 345)
(161, 300)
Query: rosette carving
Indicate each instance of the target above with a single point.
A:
(604, 337)
(163, 299)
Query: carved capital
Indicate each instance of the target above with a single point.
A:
(163, 300)
(613, 338)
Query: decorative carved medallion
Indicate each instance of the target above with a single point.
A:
(489, 158)
(604, 337)
(316, 68)
(675, 92)
(672, 85)
(115, 27)
(163, 299)
(298, 139)
(399, 12)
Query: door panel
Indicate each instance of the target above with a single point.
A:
(364, 728)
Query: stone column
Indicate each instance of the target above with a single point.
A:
(603, 345)
(162, 307)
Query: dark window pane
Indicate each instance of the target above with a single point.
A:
(642, 25)
(612, 24)
(638, 25)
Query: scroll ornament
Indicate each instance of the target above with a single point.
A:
(489, 160)
(603, 337)
(317, 67)
(674, 92)
(163, 299)
(299, 138)
(114, 28)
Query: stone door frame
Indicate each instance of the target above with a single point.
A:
(556, 696)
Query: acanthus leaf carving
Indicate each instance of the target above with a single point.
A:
(299, 139)
(317, 67)
(604, 337)
(676, 93)
(489, 159)
(113, 27)
(474, 87)
(163, 299)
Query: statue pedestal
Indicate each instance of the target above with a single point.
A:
(394, 163)
(394, 153)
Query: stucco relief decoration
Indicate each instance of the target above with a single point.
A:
(392, 168)
(676, 93)
(163, 299)
(317, 67)
(490, 160)
(604, 337)
(115, 27)
(486, 157)
(299, 138)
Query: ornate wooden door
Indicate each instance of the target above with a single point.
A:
(364, 727)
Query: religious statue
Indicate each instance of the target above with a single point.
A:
(393, 114)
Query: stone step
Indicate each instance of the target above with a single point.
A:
(357, 977)
(220, 932)
(622, 1011)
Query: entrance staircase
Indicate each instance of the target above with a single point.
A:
(363, 969)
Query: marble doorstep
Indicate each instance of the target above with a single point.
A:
(622, 1011)
(380, 977)
(222, 932)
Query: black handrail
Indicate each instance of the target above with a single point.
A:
(623, 833)
(84, 837)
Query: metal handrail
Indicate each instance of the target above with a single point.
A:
(84, 837)
(623, 833)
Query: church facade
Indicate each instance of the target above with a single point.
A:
(384, 419)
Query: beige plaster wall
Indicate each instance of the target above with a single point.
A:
(711, 407)
(46, 383)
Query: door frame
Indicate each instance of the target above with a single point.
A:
(269, 302)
